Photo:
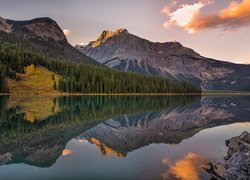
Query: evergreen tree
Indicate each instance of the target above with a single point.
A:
(53, 77)
(54, 86)
(3, 81)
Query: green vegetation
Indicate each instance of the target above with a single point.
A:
(3, 81)
(37, 81)
(15, 55)
(87, 79)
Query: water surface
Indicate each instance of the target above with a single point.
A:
(126, 137)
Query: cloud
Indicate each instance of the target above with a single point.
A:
(184, 15)
(187, 168)
(81, 43)
(167, 8)
(189, 17)
(67, 32)
(66, 152)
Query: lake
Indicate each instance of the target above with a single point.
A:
(116, 137)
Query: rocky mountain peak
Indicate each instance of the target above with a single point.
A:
(106, 34)
(122, 30)
(39, 28)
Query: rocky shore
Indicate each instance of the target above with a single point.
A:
(237, 160)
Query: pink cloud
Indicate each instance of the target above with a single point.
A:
(67, 32)
(189, 17)
(167, 8)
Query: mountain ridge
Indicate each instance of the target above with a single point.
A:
(128, 52)
(41, 34)
(44, 28)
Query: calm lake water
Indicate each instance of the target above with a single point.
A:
(116, 137)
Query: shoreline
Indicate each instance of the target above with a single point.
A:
(99, 94)
(129, 94)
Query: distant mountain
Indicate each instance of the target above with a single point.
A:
(42, 34)
(126, 52)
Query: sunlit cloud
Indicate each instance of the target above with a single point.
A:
(82, 140)
(81, 43)
(66, 152)
(184, 15)
(190, 18)
(67, 32)
(186, 169)
(167, 8)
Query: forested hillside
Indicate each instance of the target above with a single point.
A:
(85, 77)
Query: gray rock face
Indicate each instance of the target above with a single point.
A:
(238, 144)
(127, 52)
(40, 28)
(237, 165)
(5, 158)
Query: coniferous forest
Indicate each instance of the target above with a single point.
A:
(77, 77)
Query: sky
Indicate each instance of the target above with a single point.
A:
(217, 29)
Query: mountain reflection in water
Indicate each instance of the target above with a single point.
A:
(129, 132)
(36, 130)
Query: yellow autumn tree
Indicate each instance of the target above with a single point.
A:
(29, 70)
